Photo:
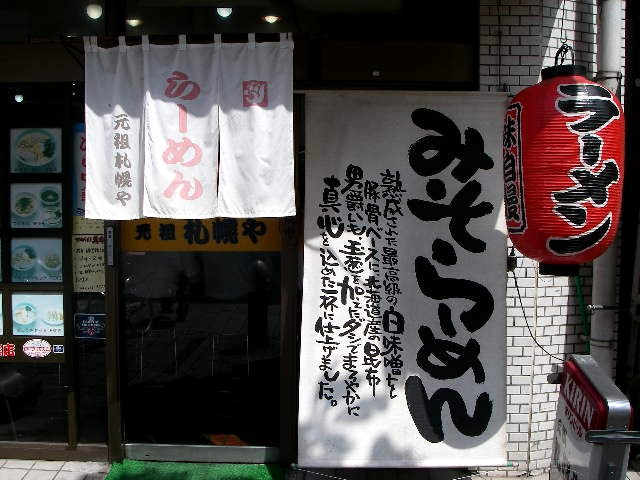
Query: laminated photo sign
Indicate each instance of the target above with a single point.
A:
(403, 329)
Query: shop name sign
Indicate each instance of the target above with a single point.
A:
(214, 234)
(404, 285)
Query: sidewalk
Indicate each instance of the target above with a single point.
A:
(45, 470)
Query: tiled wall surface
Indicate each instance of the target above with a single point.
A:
(517, 39)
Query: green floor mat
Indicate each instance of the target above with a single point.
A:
(138, 470)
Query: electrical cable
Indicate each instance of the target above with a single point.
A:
(527, 322)
(71, 51)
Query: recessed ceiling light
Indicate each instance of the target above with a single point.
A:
(271, 18)
(94, 11)
(18, 98)
(224, 12)
(134, 22)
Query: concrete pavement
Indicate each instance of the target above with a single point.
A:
(47, 470)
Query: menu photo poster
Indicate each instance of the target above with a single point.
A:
(36, 205)
(36, 260)
(403, 359)
(36, 150)
(37, 328)
(37, 315)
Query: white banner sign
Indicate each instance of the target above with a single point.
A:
(153, 141)
(403, 329)
(114, 90)
(256, 129)
(181, 130)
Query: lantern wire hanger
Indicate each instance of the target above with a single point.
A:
(564, 48)
(561, 54)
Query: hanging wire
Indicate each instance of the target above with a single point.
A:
(564, 48)
(499, 47)
(515, 280)
(563, 32)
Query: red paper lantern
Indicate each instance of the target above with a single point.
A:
(563, 153)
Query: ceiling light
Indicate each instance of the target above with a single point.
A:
(18, 98)
(134, 22)
(94, 11)
(224, 12)
(271, 18)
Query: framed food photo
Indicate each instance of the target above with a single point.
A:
(36, 150)
(37, 314)
(36, 205)
(36, 260)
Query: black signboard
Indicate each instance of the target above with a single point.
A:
(89, 325)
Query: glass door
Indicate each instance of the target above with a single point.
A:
(200, 330)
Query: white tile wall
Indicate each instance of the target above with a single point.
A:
(517, 39)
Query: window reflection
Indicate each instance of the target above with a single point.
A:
(202, 339)
(32, 403)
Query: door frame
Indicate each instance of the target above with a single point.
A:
(285, 453)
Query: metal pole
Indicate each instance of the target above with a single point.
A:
(604, 268)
